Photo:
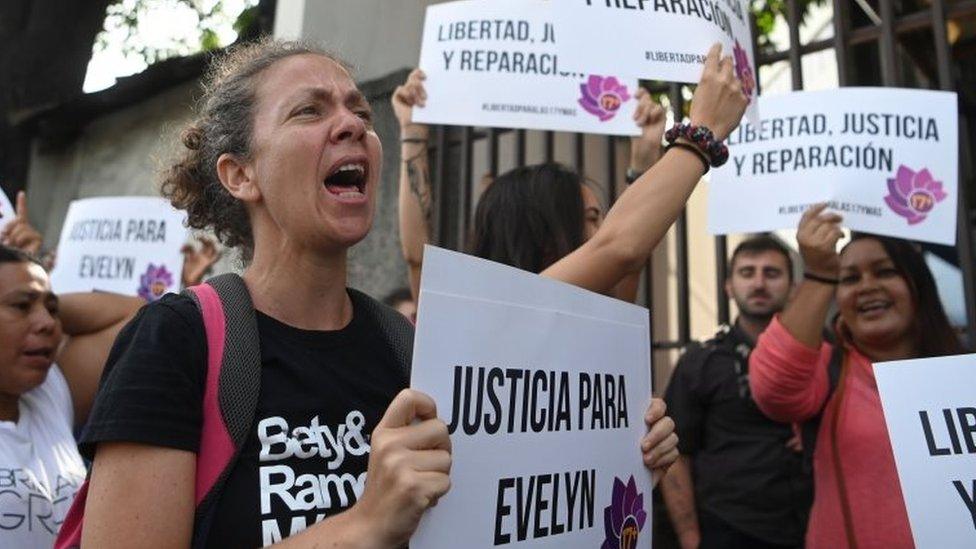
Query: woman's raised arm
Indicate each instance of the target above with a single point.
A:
(645, 211)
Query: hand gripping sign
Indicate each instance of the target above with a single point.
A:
(543, 387)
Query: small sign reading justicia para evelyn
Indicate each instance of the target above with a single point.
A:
(886, 159)
(127, 245)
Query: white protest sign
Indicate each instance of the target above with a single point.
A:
(884, 158)
(7, 211)
(495, 63)
(657, 39)
(545, 408)
(125, 245)
(930, 409)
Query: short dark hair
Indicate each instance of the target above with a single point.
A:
(397, 297)
(530, 217)
(933, 333)
(759, 244)
(15, 255)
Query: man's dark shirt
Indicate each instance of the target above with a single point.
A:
(743, 472)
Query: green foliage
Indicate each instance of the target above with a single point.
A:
(122, 27)
(767, 12)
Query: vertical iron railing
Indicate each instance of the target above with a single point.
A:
(452, 222)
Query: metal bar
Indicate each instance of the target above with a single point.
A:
(440, 160)
(611, 171)
(549, 146)
(844, 37)
(721, 273)
(681, 271)
(520, 148)
(941, 36)
(842, 20)
(964, 241)
(667, 345)
(649, 303)
(796, 60)
(579, 152)
(681, 245)
(910, 23)
(889, 71)
(493, 152)
(811, 47)
(967, 257)
(464, 192)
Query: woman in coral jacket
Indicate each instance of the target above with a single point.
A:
(888, 309)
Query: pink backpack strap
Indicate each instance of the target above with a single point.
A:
(216, 446)
(69, 536)
(230, 398)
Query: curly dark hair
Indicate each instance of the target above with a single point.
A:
(224, 124)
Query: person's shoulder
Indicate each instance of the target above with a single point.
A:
(698, 353)
(172, 310)
(380, 315)
(178, 304)
(170, 325)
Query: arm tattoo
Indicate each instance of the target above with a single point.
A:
(420, 187)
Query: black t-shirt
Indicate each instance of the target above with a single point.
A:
(743, 472)
(306, 454)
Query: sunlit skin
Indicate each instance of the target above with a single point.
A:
(30, 332)
(309, 119)
(760, 285)
(875, 302)
(407, 308)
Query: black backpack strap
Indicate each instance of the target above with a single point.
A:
(238, 387)
(396, 331)
(810, 427)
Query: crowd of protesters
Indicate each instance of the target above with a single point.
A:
(770, 434)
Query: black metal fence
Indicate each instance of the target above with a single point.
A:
(875, 43)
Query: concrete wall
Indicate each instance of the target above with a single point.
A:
(114, 155)
(119, 154)
(376, 36)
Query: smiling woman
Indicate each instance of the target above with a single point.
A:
(888, 309)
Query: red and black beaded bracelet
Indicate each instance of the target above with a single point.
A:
(703, 138)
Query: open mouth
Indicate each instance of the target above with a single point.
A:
(46, 353)
(873, 306)
(347, 180)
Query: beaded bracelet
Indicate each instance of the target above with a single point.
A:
(704, 139)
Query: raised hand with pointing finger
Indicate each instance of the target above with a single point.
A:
(19, 233)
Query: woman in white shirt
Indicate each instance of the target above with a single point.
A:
(40, 402)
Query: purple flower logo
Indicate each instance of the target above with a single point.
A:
(154, 283)
(603, 97)
(912, 195)
(624, 518)
(743, 71)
